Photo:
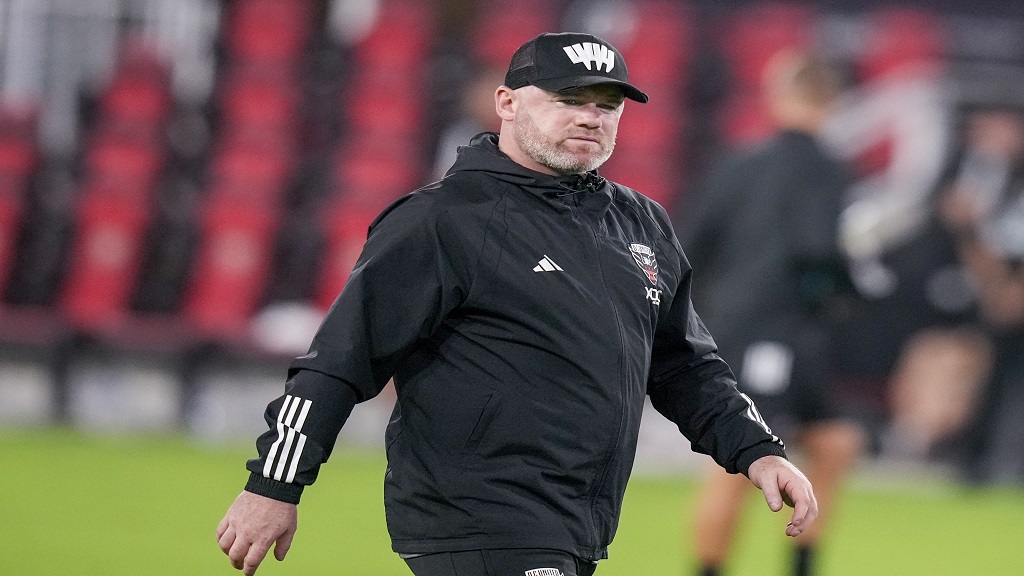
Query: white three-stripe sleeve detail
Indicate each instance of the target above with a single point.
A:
(754, 415)
(302, 415)
(301, 441)
(280, 436)
(290, 420)
(282, 462)
(295, 459)
(273, 451)
(291, 412)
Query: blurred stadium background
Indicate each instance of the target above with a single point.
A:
(185, 184)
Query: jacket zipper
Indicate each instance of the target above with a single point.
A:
(602, 477)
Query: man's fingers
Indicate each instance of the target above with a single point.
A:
(781, 482)
(252, 525)
(772, 495)
(226, 538)
(284, 543)
(237, 553)
(797, 522)
(252, 560)
(805, 509)
(788, 499)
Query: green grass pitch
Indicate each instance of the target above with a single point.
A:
(72, 503)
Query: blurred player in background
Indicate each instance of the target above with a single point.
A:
(475, 114)
(982, 206)
(763, 242)
(524, 306)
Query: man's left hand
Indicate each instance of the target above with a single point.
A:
(781, 483)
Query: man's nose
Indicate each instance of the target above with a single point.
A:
(589, 115)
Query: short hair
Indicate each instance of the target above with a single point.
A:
(806, 76)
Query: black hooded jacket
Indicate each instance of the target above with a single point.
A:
(523, 317)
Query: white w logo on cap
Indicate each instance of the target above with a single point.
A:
(587, 52)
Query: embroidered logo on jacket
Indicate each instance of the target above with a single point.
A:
(654, 295)
(547, 265)
(645, 259)
(544, 572)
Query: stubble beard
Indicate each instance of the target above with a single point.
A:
(547, 153)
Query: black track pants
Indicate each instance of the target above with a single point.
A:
(505, 562)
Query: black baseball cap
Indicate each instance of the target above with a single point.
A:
(558, 62)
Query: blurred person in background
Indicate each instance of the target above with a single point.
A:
(982, 206)
(892, 127)
(763, 242)
(474, 114)
(524, 306)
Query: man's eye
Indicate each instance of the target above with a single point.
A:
(570, 101)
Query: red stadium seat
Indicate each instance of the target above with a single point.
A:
(19, 117)
(346, 226)
(122, 162)
(500, 31)
(661, 48)
(18, 157)
(139, 57)
(380, 155)
(401, 40)
(250, 174)
(231, 268)
(11, 212)
(369, 111)
(758, 32)
(106, 256)
(137, 99)
(648, 147)
(373, 176)
(112, 158)
(751, 37)
(269, 31)
(266, 106)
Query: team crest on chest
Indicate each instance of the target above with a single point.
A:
(645, 259)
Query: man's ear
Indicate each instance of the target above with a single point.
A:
(505, 102)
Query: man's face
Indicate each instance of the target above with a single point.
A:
(567, 132)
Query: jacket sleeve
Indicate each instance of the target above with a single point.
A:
(694, 388)
(406, 280)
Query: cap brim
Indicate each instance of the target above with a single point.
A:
(560, 84)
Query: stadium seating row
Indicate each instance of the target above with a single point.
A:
(257, 153)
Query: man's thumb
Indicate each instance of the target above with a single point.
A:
(283, 544)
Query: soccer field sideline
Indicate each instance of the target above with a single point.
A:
(104, 505)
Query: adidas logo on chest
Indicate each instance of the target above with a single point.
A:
(546, 264)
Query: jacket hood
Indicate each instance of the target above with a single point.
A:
(482, 154)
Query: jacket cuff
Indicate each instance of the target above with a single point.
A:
(748, 456)
(258, 484)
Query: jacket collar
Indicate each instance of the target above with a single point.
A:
(588, 190)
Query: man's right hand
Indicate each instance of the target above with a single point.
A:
(252, 525)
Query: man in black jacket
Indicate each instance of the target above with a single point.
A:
(524, 307)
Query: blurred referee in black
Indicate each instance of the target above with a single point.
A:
(763, 240)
